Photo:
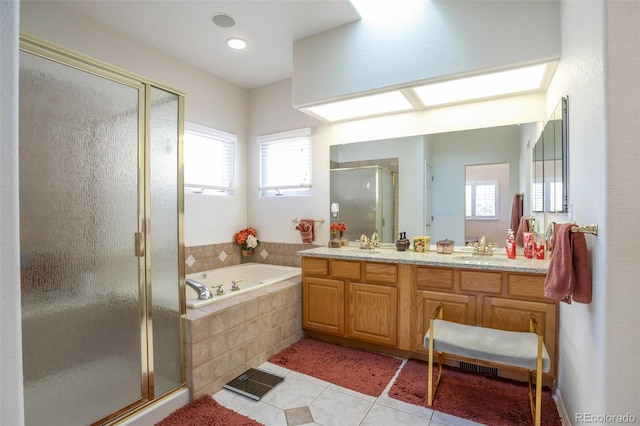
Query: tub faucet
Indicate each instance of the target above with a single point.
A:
(203, 292)
(234, 285)
(219, 290)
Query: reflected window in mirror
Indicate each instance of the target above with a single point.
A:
(481, 199)
(550, 164)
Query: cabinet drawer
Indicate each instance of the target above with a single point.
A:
(313, 266)
(345, 269)
(380, 273)
(434, 278)
(527, 286)
(485, 282)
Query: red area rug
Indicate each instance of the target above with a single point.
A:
(351, 368)
(205, 411)
(484, 399)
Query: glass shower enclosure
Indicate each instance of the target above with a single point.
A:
(366, 199)
(100, 238)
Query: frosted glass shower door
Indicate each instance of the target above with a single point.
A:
(166, 197)
(80, 208)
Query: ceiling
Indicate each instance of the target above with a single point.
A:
(184, 29)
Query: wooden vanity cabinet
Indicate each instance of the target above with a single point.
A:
(389, 305)
(495, 299)
(357, 300)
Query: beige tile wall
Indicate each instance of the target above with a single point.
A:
(224, 339)
(209, 256)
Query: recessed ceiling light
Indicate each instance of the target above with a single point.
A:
(223, 20)
(236, 43)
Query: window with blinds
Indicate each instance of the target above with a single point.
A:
(285, 163)
(209, 160)
(481, 200)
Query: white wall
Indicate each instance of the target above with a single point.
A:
(599, 342)
(622, 383)
(11, 398)
(415, 41)
(209, 101)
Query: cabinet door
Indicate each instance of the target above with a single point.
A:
(323, 305)
(458, 308)
(509, 314)
(373, 313)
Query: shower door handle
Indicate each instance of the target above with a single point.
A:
(139, 244)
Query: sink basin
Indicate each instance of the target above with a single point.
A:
(359, 250)
(483, 260)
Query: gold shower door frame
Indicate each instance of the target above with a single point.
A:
(141, 242)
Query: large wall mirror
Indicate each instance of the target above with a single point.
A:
(431, 180)
(550, 164)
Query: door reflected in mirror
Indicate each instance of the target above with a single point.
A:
(487, 205)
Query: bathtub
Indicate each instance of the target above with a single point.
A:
(253, 276)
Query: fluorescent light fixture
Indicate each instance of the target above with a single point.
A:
(236, 43)
(383, 103)
(482, 86)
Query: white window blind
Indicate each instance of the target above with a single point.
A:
(209, 160)
(481, 200)
(285, 163)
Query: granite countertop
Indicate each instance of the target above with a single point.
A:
(458, 259)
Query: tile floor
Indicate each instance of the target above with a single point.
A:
(305, 400)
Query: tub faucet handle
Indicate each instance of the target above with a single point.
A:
(234, 285)
(219, 290)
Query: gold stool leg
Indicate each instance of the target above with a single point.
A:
(430, 378)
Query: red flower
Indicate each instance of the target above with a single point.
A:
(337, 227)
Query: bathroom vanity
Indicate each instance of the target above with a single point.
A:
(383, 299)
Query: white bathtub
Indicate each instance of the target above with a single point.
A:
(253, 276)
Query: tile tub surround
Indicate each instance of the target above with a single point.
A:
(214, 256)
(224, 339)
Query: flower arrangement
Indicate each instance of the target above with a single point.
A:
(337, 227)
(247, 238)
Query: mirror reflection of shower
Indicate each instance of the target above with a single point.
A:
(366, 200)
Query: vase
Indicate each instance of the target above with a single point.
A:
(335, 242)
(248, 252)
(343, 241)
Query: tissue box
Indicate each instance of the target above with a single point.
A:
(421, 244)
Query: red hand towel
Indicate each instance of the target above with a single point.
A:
(522, 228)
(306, 230)
(569, 275)
(582, 289)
